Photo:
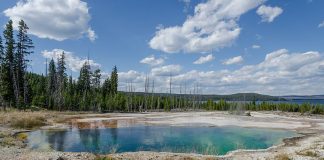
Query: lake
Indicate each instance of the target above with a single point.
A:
(180, 139)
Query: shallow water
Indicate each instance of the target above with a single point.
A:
(190, 139)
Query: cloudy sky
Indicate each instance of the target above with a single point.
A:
(271, 47)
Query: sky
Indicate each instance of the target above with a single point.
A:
(270, 47)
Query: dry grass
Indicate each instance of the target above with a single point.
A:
(28, 122)
(35, 119)
(187, 158)
(24, 119)
(308, 153)
(282, 157)
(8, 140)
(311, 154)
(3, 134)
(103, 158)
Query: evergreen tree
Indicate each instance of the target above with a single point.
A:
(70, 94)
(84, 81)
(96, 76)
(23, 49)
(51, 84)
(1, 52)
(61, 75)
(8, 78)
(1, 66)
(84, 86)
(61, 80)
(106, 87)
(71, 86)
(114, 81)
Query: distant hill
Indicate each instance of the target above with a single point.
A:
(230, 97)
(291, 97)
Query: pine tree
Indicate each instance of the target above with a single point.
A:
(8, 90)
(95, 96)
(96, 76)
(61, 80)
(23, 49)
(51, 84)
(61, 75)
(1, 66)
(84, 84)
(71, 86)
(114, 81)
(84, 80)
(1, 52)
(70, 93)
(106, 87)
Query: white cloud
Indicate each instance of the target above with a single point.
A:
(73, 62)
(166, 70)
(92, 35)
(268, 13)
(280, 73)
(275, 54)
(151, 60)
(213, 26)
(187, 5)
(58, 20)
(204, 59)
(234, 60)
(130, 76)
(256, 46)
(321, 25)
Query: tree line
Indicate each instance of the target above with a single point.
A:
(54, 90)
(14, 88)
(89, 92)
(240, 107)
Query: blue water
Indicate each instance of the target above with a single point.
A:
(203, 140)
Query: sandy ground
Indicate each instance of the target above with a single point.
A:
(310, 146)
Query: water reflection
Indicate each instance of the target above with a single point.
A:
(90, 139)
(103, 123)
(56, 139)
(204, 140)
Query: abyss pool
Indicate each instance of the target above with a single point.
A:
(179, 139)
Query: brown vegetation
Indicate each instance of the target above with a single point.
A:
(308, 153)
(34, 119)
(282, 157)
(23, 120)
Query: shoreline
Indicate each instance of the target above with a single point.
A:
(311, 130)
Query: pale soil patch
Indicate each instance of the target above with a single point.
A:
(14, 153)
(257, 119)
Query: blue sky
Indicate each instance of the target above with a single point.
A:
(155, 39)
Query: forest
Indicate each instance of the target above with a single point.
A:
(55, 90)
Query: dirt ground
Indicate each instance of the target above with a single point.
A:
(308, 146)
